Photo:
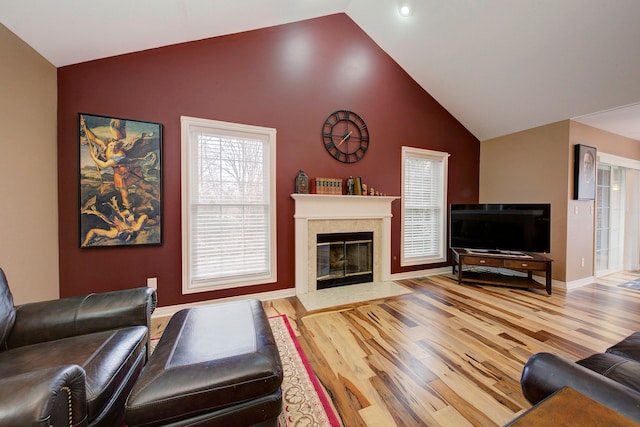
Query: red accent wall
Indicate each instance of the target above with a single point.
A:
(289, 77)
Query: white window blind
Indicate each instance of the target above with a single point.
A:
(228, 205)
(424, 189)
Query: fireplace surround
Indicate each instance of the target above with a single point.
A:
(317, 214)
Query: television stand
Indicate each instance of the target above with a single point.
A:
(498, 252)
(525, 261)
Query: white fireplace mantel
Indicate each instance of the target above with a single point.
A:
(315, 207)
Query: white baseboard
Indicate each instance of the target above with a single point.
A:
(170, 310)
(420, 273)
(556, 284)
(291, 292)
(579, 283)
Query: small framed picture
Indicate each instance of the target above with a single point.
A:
(120, 182)
(584, 172)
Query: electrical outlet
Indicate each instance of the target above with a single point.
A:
(582, 262)
(152, 282)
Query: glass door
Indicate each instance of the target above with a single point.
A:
(632, 221)
(610, 219)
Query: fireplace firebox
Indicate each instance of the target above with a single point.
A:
(344, 259)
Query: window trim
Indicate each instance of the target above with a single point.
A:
(187, 124)
(432, 155)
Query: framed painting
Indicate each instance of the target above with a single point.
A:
(120, 182)
(584, 172)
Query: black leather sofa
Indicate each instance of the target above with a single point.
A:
(611, 378)
(71, 361)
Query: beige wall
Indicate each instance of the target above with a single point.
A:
(581, 230)
(531, 167)
(580, 236)
(604, 141)
(536, 165)
(28, 171)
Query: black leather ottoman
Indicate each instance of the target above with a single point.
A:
(216, 365)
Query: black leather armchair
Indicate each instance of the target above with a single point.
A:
(71, 361)
(611, 378)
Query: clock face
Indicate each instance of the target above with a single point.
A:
(345, 136)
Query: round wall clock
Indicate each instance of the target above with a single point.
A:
(345, 136)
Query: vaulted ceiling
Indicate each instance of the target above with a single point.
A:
(499, 66)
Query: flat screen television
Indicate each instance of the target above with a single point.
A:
(501, 227)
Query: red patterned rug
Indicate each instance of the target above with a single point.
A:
(304, 401)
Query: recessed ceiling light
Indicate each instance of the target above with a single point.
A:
(405, 9)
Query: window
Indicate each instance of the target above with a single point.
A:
(424, 184)
(228, 205)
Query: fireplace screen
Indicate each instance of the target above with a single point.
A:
(344, 259)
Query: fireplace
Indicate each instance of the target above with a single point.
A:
(326, 214)
(344, 259)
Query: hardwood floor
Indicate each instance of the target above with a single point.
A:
(449, 354)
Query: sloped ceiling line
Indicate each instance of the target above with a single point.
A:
(499, 66)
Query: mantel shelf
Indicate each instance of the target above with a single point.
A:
(323, 206)
(349, 197)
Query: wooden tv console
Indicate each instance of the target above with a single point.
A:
(528, 262)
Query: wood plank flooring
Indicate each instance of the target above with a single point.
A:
(449, 354)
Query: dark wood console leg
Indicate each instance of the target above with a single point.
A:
(548, 278)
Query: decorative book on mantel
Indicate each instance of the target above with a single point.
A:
(336, 186)
(326, 186)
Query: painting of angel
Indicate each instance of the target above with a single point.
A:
(120, 182)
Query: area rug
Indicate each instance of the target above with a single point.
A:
(303, 398)
(634, 284)
(304, 401)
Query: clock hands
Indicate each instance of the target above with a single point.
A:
(345, 138)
